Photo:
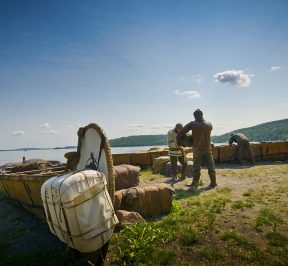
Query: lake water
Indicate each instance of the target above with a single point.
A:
(57, 155)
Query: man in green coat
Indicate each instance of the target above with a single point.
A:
(242, 144)
(202, 152)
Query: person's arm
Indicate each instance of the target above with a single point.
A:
(231, 140)
(184, 131)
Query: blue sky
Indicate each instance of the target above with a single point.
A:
(138, 67)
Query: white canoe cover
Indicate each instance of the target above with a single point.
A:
(92, 139)
(79, 210)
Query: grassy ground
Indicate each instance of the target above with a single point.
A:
(242, 222)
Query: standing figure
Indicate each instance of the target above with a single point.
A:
(176, 153)
(202, 153)
(242, 143)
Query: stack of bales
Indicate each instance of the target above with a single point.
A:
(162, 165)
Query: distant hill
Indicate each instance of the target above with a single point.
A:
(270, 131)
(141, 140)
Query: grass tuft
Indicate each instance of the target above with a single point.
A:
(239, 204)
(277, 239)
(268, 217)
(188, 236)
(210, 254)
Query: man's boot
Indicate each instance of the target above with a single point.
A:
(196, 178)
(212, 176)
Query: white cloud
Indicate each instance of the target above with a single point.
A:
(18, 133)
(235, 77)
(274, 68)
(284, 104)
(189, 94)
(136, 125)
(45, 125)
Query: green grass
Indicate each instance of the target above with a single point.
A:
(139, 243)
(239, 204)
(211, 254)
(244, 248)
(281, 190)
(268, 217)
(146, 175)
(277, 239)
(236, 239)
(188, 236)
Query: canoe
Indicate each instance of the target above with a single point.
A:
(93, 151)
(24, 188)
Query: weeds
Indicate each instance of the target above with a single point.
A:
(210, 254)
(268, 217)
(137, 244)
(189, 235)
(247, 249)
(277, 239)
(239, 204)
(237, 239)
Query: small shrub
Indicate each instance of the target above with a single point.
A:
(188, 236)
(137, 244)
(216, 205)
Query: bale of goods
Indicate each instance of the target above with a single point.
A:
(79, 210)
(168, 172)
(227, 153)
(159, 164)
(121, 158)
(274, 151)
(126, 176)
(140, 158)
(148, 201)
